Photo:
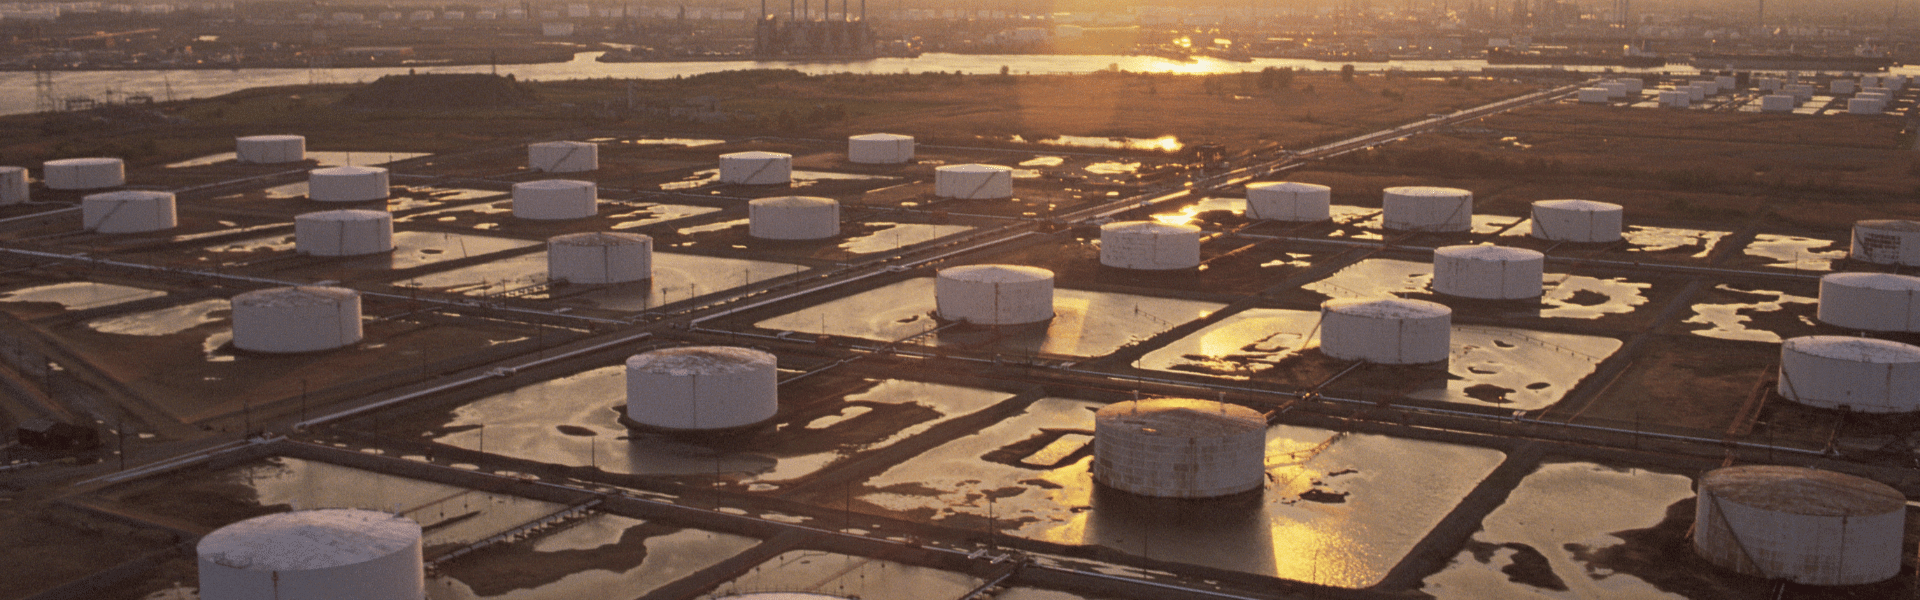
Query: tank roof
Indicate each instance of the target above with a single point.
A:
(1492, 253)
(1578, 205)
(1183, 417)
(1149, 227)
(1803, 491)
(128, 195)
(974, 168)
(1866, 350)
(1877, 281)
(296, 296)
(561, 143)
(1387, 308)
(1428, 191)
(756, 154)
(309, 539)
(347, 170)
(600, 238)
(553, 184)
(794, 201)
(882, 137)
(349, 214)
(1890, 224)
(93, 160)
(996, 273)
(271, 138)
(1287, 186)
(701, 360)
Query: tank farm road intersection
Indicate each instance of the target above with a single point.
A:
(1438, 400)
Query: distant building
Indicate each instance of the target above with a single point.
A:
(48, 434)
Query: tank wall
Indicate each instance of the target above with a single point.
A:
(1487, 279)
(1177, 466)
(969, 185)
(270, 151)
(594, 264)
(1886, 247)
(397, 576)
(1284, 205)
(355, 187)
(807, 222)
(991, 303)
(134, 214)
(1427, 213)
(91, 175)
(880, 151)
(551, 203)
(756, 171)
(1385, 341)
(331, 237)
(1584, 226)
(298, 328)
(1150, 251)
(1806, 549)
(1867, 308)
(13, 185)
(1860, 386)
(563, 158)
(702, 401)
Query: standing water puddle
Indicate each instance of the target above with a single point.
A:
(1190, 213)
(1793, 252)
(648, 214)
(81, 295)
(601, 554)
(451, 515)
(801, 573)
(1728, 324)
(1565, 296)
(1531, 546)
(1661, 239)
(574, 420)
(1341, 509)
(1084, 323)
(899, 235)
(165, 321)
(1487, 366)
(325, 158)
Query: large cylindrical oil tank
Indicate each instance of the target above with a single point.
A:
(1850, 373)
(973, 182)
(1289, 201)
(128, 211)
(1802, 525)
(1866, 106)
(1594, 95)
(1583, 221)
(1870, 301)
(270, 149)
(994, 294)
(563, 157)
(880, 148)
(1390, 331)
(296, 319)
(1149, 246)
(13, 185)
(702, 387)
(1778, 103)
(1426, 208)
(347, 184)
(756, 168)
(1676, 99)
(600, 257)
(556, 199)
(332, 554)
(1488, 272)
(1887, 242)
(1179, 448)
(343, 232)
(85, 173)
(793, 218)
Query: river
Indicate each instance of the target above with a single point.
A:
(18, 95)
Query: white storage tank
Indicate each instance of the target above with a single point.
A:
(600, 257)
(343, 232)
(880, 148)
(756, 168)
(793, 218)
(973, 182)
(1593, 95)
(1423, 208)
(1289, 201)
(1887, 242)
(347, 184)
(1866, 106)
(1615, 90)
(1634, 84)
(85, 173)
(1777, 103)
(563, 157)
(1802, 525)
(1881, 97)
(13, 185)
(702, 388)
(1707, 86)
(1870, 301)
(1770, 84)
(128, 211)
(1850, 373)
(1697, 92)
(555, 199)
(1390, 331)
(1488, 272)
(994, 294)
(1149, 246)
(1179, 448)
(296, 319)
(333, 554)
(1582, 221)
(1841, 86)
(1724, 82)
(270, 149)
(1675, 99)
(1801, 92)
